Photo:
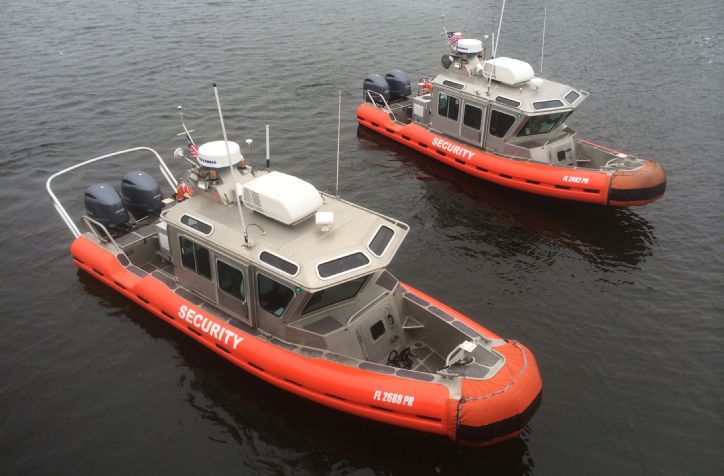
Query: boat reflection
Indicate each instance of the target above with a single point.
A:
(516, 222)
(234, 407)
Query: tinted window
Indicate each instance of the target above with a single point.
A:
(473, 116)
(571, 97)
(547, 104)
(507, 102)
(381, 240)
(195, 257)
(340, 265)
(335, 294)
(377, 330)
(231, 280)
(196, 224)
(280, 263)
(448, 106)
(500, 122)
(540, 124)
(274, 297)
(453, 84)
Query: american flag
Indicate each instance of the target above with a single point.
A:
(192, 147)
(453, 37)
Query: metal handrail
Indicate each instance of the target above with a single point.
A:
(387, 106)
(88, 221)
(64, 214)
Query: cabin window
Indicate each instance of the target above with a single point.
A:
(342, 265)
(377, 329)
(552, 104)
(473, 116)
(453, 84)
(540, 124)
(448, 106)
(279, 263)
(500, 123)
(274, 297)
(231, 280)
(195, 257)
(571, 97)
(335, 294)
(197, 225)
(507, 101)
(381, 240)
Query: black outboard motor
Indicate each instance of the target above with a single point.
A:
(103, 204)
(141, 194)
(377, 84)
(399, 84)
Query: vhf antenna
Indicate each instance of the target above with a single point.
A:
(543, 43)
(339, 122)
(231, 168)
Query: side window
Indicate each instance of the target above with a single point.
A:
(473, 116)
(231, 280)
(448, 106)
(195, 257)
(274, 297)
(500, 122)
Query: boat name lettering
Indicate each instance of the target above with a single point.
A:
(391, 397)
(453, 148)
(209, 327)
(571, 178)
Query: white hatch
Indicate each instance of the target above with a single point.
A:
(508, 71)
(281, 197)
(213, 154)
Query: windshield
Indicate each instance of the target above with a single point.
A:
(335, 294)
(541, 124)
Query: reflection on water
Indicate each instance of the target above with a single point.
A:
(515, 222)
(249, 413)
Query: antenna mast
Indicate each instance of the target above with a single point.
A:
(339, 122)
(231, 168)
(543, 44)
(497, 37)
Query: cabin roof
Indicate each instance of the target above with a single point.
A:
(531, 95)
(303, 244)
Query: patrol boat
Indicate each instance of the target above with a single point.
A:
(493, 118)
(289, 284)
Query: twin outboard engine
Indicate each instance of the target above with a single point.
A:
(393, 86)
(140, 194)
(399, 84)
(103, 204)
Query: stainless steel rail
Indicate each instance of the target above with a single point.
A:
(61, 211)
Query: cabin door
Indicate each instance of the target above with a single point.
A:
(377, 334)
(472, 126)
(500, 122)
(233, 289)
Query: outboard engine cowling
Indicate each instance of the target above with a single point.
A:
(399, 84)
(377, 84)
(141, 194)
(103, 204)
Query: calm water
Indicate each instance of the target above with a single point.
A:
(624, 309)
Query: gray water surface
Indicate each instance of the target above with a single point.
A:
(624, 309)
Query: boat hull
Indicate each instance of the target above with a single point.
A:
(617, 188)
(486, 411)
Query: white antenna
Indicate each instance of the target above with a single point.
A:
(267, 146)
(543, 44)
(339, 122)
(497, 37)
(231, 167)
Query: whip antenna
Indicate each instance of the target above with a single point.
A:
(497, 37)
(339, 122)
(543, 43)
(267, 146)
(231, 168)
